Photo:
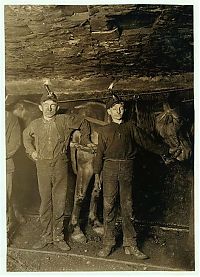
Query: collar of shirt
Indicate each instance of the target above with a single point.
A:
(117, 124)
(48, 121)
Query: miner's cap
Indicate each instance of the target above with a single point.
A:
(49, 96)
(113, 100)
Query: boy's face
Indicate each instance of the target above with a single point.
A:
(49, 108)
(116, 111)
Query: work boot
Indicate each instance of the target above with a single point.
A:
(62, 245)
(105, 251)
(133, 250)
(40, 244)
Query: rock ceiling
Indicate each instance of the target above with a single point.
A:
(85, 48)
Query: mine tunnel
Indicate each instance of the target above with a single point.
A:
(142, 53)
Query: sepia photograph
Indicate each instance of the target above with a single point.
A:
(99, 138)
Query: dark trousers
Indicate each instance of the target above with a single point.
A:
(52, 182)
(118, 181)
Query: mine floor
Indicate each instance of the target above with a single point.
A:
(166, 248)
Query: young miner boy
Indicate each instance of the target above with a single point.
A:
(115, 157)
(46, 140)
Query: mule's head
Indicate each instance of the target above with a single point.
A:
(168, 124)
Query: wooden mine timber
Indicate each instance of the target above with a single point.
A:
(97, 88)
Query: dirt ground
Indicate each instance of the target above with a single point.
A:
(167, 250)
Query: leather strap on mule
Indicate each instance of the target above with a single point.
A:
(87, 149)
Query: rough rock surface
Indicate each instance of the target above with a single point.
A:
(87, 47)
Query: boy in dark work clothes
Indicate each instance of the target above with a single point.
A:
(46, 140)
(116, 151)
